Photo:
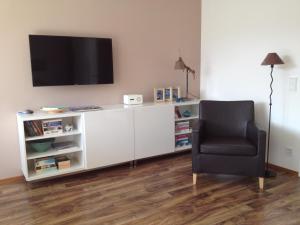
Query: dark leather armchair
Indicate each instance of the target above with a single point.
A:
(226, 140)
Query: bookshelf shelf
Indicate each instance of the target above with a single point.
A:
(186, 118)
(52, 152)
(181, 148)
(74, 132)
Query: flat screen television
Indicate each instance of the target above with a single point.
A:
(61, 60)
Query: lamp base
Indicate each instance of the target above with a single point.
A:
(270, 174)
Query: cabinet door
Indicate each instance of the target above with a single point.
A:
(109, 137)
(154, 130)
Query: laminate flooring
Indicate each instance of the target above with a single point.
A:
(157, 191)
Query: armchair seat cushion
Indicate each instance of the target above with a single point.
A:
(235, 146)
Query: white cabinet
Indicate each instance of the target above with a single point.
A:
(114, 135)
(154, 130)
(109, 137)
(31, 130)
(185, 113)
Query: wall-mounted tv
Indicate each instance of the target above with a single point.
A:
(61, 60)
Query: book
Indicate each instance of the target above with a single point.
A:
(28, 129)
(52, 126)
(33, 128)
(44, 165)
(182, 143)
(38, 126)
(182, 136)
(183, 122)
(182, 126)
(63, 162)
(177, 112)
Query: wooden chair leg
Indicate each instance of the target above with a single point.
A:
(194, 178)
(261, 183)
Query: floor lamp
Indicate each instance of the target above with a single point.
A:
(270, 60)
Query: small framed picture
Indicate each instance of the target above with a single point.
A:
(176, 93)
(159, 94)
(168, 94)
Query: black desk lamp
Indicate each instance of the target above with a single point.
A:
(270, 60)
(180, 65)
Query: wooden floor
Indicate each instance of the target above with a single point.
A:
(156, 192)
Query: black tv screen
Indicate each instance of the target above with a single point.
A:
(60, 60)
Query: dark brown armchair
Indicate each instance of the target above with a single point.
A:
(226, 140)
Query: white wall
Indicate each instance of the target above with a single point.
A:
(236, 36)
(146, 37)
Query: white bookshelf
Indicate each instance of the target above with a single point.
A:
(193, 108)
(76, 153)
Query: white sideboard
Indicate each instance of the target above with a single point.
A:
(113, 135)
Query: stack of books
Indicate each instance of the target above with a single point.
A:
(33, 128)
(182, 140)
(44, 165)
(54, 126)
(63, 162)
(53, 109)
(182, 127)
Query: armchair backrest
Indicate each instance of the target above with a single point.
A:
(226, 118)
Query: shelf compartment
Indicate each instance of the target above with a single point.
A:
(181, 148)
(77, 164)
(74, 168)
(186, 118)
(74, 132)
(52, 152)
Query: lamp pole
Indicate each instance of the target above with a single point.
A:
(187, 84)
(269, 173)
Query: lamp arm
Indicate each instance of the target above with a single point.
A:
(189, 69)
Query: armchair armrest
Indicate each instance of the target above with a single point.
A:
(197, 135)
(257, 137)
